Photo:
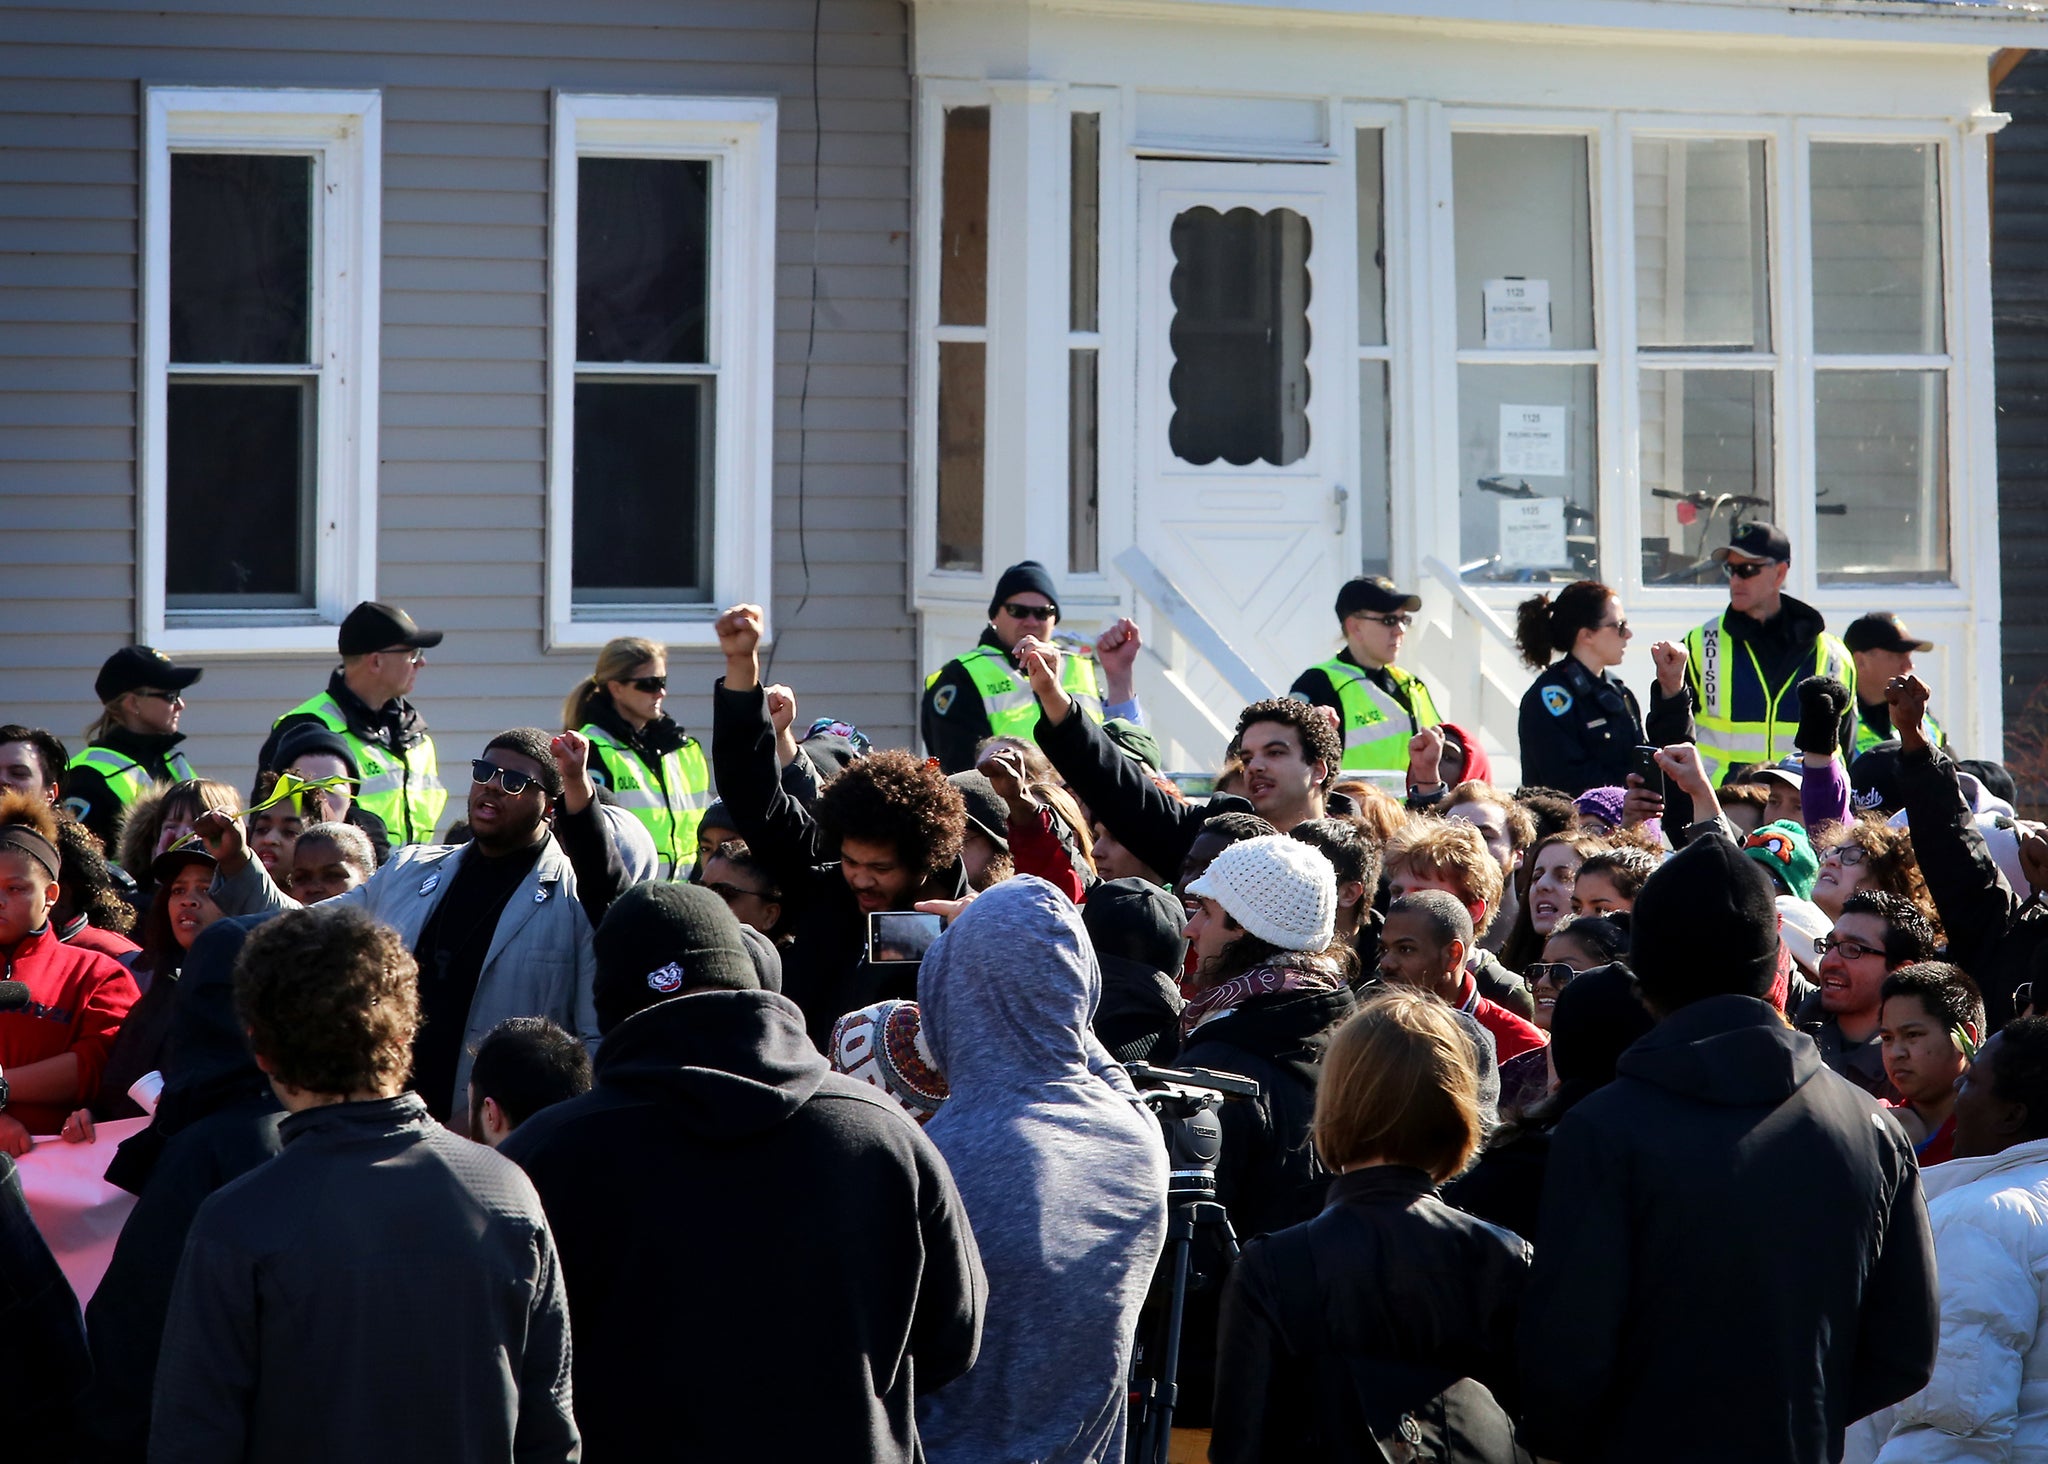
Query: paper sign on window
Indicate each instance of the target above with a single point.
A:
(1532, 533)
(1517, 314)
(1533, 441)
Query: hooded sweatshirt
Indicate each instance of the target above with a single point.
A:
(1672, 1190)
(767, 1260)
(1063, 1173)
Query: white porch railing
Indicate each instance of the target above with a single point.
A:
(1470, 652)
(1186, 670)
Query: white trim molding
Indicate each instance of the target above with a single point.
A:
(737, 135)
(343, 132)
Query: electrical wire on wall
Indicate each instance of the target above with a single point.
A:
(803, 401)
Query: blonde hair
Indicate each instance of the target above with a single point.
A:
(1436, 848)
(1398, 1085)
(614, 663)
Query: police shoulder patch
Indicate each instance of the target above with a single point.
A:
(942, 699)
(1557, 700)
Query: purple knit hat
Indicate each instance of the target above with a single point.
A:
(1603, 804)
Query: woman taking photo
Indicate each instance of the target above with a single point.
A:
(1579, 725)
(654, 770)
(1389, 1310)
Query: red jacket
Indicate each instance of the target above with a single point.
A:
(77, 999)
(1511, 1035)
(107, 942)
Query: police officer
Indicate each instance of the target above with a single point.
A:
(1379, 706)
(1741, 668)
(382, 650)
(134, 744)
(1883, 649)
(656, 771)
(985, 694)
(1580, 726)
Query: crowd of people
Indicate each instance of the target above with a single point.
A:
(1684, 1103)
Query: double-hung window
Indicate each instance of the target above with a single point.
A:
(661, 354)
(258, 454)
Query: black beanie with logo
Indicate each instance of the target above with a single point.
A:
(1706, 924)
(661, 940)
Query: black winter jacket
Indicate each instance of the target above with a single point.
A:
(1578, 730)
(825, 969)
(1992, 933)
(380, 1290)
(1118, 790)
(766, 1260)
(1334, 1329)
(1666, 1318)
(93, 803)
(48, 1366)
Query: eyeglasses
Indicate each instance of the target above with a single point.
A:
(175, 698)
(413, 655)
(1743, 571)
(649, 684)
(732, 892)
(1848, 855)
(1030, 612)
(1557, 973)
(1849, 950)
(1391, 622)
(482, 770)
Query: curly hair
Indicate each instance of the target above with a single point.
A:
(88, 883)
(1319, 739)
(1437, 848)
(1888, 855)
(896, 799)
(331, 1000)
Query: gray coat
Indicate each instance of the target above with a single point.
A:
(540, 963)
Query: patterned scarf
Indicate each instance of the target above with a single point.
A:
(1239, 989)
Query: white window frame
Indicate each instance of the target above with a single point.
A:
(343, 132)
(737, 136)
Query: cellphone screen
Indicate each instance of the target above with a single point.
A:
(1646, 768)
(897, 937)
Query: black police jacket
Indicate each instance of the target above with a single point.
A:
(1578, 730)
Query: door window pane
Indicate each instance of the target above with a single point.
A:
(963, 219)
(1084, 225)
(1240, 337)
(239, 475)
(1526, 490)
(1706, 460)
(642, 515)
(963, 416)
(1372, 241)
(1881, 474)
(241, 258)
(1877, 248)
(1083, 512)
(1373, 502)
(1699, 222)
(1523, 211)
(642, 232)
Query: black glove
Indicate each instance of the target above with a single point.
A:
(1823, 702)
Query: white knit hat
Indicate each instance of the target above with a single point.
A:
(1278, 888)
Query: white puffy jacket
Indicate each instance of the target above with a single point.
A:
(1988, 1398)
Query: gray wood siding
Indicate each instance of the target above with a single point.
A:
(467, 104)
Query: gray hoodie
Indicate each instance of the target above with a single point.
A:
(1063, 1174)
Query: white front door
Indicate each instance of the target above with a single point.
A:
(1247, 407)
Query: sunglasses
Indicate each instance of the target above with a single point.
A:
(1030, 612)
(1557, 973)
(732, 892)
(175, 698)
(1391, 622)
(482, 770)
(1850, 950)
(1620, 625)
(413, 656)
(1743, 571)
(649, 684)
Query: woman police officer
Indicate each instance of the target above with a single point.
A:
(1579, 725)
(655, 770)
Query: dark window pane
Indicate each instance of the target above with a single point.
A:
(963, 411)
(1084, 225)
(1240, 336)
(240, 478)
(641, 231)
(241, 285)
(642, 529)
(1084, 548)
(963, 219)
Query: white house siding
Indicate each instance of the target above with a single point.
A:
(466, 92)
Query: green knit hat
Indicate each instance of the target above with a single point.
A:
(1785, 851)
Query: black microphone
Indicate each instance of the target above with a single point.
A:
(13, 996)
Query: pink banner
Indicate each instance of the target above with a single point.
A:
(79, 1213)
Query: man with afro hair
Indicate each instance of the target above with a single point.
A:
(501, 926)
(886, 836)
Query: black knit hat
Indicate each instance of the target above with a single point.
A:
(1597, 1018)
(986, 810)
(1706, 924)
(661, 940)
(1135, 926)
(312, 737)
(1023, 578)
